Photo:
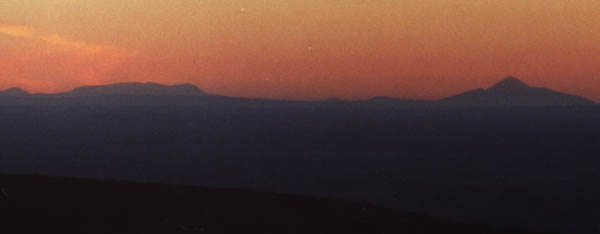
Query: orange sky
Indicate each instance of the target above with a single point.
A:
(309, 49)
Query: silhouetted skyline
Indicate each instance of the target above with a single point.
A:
(302, 50)
(510, 91)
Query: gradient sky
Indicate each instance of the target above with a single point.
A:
(302, 49)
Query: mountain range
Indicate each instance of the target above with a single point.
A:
(509, 92)
(118, 89)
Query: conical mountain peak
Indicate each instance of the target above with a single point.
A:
(509, 83)
(513, 92)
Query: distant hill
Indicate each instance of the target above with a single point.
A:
(135, 89)
(14, 92)
(513, 92)
(33, 204)
(395, 101)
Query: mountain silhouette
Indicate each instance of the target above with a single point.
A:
(14, 92)
(509, 84)
(135, 89)
(514, 92)
(508, 92)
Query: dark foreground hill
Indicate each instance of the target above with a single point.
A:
(33, 204)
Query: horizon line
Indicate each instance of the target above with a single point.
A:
(509, 77)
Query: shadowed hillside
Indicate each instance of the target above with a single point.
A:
(32, 204)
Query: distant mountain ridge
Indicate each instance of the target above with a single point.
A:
(509, 92)
(136, 89)
(117, 89)
(513, 92)
(14, 92)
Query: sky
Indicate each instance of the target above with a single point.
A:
(302, 49)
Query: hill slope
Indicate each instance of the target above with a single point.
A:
(32, 204)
